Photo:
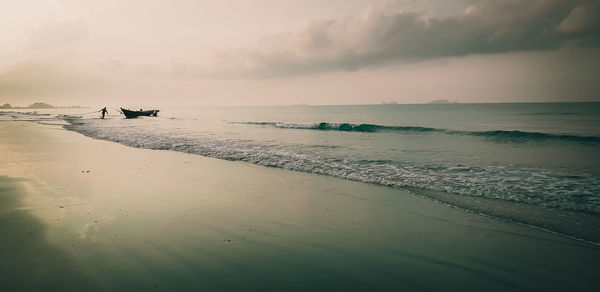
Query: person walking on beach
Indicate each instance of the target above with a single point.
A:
(104, 112)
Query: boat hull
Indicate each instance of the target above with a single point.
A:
(129, 114)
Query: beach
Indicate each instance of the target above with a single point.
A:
(84, 214)
(365, 145)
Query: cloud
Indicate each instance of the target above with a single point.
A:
(57, 36)
(111, 65)
(386, 34)
(581, 20)
(38, 76)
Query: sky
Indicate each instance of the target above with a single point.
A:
(280, 52)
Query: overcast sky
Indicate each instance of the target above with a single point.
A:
(266, 52)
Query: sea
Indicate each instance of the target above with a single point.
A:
(540, 159)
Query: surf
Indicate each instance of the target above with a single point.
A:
(501, 135)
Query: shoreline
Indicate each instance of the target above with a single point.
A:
(569, 224)
(190, 221)
(578, 225)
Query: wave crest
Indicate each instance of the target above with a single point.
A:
(502, 135)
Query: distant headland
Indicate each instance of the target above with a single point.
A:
(37, 105)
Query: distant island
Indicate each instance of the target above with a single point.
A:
(389, 102)
(441, 101)
(37, 105)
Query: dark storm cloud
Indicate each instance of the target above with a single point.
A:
(384, 36)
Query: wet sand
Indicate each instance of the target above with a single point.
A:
(81, 214)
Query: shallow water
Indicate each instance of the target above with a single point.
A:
(541, 154)
(80, 214)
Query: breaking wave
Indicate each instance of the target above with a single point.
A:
(502, 135)
(510, 183)
(456, 184)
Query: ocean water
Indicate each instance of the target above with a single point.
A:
(544, 155)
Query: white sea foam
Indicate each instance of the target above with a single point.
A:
(548, 188)
(456, 166)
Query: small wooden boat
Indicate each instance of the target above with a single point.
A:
(129, 114)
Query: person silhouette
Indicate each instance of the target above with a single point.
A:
(104, 112)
